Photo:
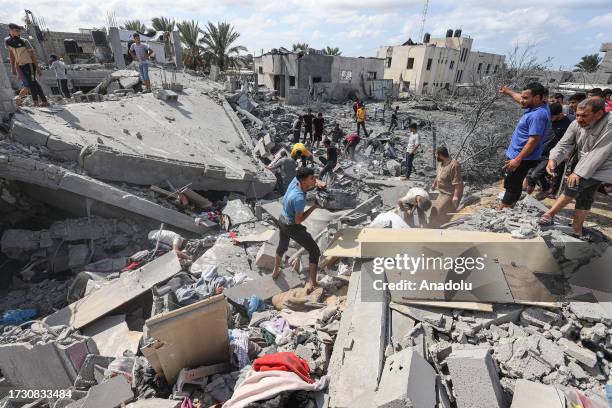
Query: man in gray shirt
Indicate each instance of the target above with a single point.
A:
(589, 140)
(140, 52)
(285, 170)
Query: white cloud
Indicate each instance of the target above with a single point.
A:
(604, 20)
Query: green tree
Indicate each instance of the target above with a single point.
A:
(163, 24)
(588, 63)
(219, 45)
(193, 56)
(301, 47)
(332, 51)
(134, 25)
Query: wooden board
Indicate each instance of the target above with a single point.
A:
(477, 306)
(191, 336)
(128, 286)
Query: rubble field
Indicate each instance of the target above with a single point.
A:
(139, 233)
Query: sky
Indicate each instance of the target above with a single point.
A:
(560, 31)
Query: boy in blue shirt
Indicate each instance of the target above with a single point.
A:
(290, 223)
(525, 148)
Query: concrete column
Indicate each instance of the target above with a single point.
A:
(115, 44)
(178, 50)
(7, 102)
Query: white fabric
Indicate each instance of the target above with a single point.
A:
(411, 195)
(413, 140)
(166, 237)
(263, 385)
(60, 69)
(388, 219)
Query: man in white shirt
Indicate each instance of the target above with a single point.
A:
(416, 199)
(414, 142)
(170, 239)
(60, 75)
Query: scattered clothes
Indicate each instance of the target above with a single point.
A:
(287, 399)
(187, 403)
(239, 344)
(297, 299)
(208, 284)
(18, 316)
(284, 361)
(256, 304)
(263, 385)
(277, 326)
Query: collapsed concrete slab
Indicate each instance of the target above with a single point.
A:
(407, 381)
(44, 366)
(70, 191)
(356, 362)
(475, 378)
(127, 140)
(129, 286)
(529, 394)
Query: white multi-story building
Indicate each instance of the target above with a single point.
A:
(437, 63)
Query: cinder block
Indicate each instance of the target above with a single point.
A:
(407, 381)
(475, 379)
(529, 394)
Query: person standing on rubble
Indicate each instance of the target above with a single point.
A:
(290, 224)
(141, 53)
(538, 175)
(60, 74)
(449, 183)
(319, 127)
(25, 65)
(351, 141)
(297, 129)
(331, 160)
(589, 140)
(394, 116)
(414, 142)
(525, 147)
(308, 118)
(361, 119)
(356, 106)
(337, 134)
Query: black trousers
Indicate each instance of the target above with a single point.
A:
(538, 175)
(299, 234)
(63, 87)
(329, 166)
(409, 160)
(513, 182)
(361, 125)
(307, 131)
(393, 125)
(29, 81)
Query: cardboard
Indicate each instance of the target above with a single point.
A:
(112, 336)
(191, 336)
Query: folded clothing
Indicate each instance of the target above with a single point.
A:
(284, 361)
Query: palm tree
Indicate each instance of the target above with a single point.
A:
(163, 24)
(218, 41)
(134, 25)
(588, 63)
(332, 51)
(301, 47)
(193, 55)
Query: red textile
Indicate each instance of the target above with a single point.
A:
(284, 361)
(131, 266)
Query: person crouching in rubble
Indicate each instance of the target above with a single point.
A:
(300, 151)
(589, 142)
(169, 239)
(290, 223)
(416, 199)
(351, 141)
(284, 169)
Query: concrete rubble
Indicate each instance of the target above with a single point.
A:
(121, 319)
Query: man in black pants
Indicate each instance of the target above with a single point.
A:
(560, 123)
(308, 118)
(393, 124)
(525, 148)
(24, 65)
(290, 223)
(332, 158)
(319, 125)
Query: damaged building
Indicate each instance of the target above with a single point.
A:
(298, 76)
